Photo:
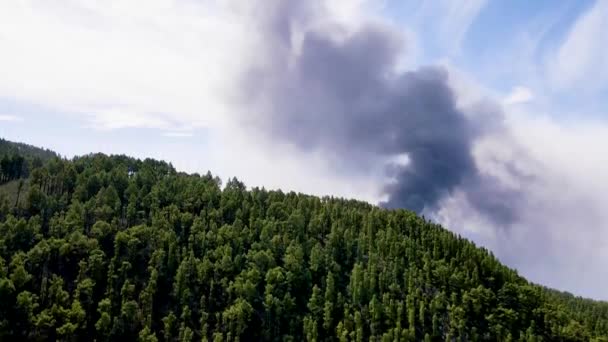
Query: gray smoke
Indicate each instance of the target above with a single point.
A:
(341, 94)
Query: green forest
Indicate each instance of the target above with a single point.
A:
(111, 248)
(17, 159)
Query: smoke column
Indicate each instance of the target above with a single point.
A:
(324, 87)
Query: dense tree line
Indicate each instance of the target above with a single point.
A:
(17, 159)
(25, 150)
(113, 248)
(12, 167)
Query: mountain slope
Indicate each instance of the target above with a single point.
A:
(111, 248)
(25, 150)
(17, 159)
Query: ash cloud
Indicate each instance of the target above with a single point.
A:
(340, 92)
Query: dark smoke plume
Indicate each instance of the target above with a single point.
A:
(341, 93)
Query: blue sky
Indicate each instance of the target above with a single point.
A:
(157, 78)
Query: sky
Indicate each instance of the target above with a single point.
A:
(485, 116)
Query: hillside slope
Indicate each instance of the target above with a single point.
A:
(25, 150)
(18, 159)
(113, 248)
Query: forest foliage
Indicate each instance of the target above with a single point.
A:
(113, 248)
(17, 159)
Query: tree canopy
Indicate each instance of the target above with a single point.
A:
(17, 159)
(113, 248)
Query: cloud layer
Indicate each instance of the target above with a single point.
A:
(121, 64)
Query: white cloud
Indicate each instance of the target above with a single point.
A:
(10, 118)
(581, 60)
(167, 65)
(565, 216)
(174, 134)
(176, 57)
(282, 166)
(560, 237)
(154, 64)
(115, 118)
(518, 95)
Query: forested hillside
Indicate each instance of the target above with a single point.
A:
(17, 159)
(113, 248)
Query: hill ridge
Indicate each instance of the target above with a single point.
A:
(113, 247)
